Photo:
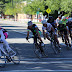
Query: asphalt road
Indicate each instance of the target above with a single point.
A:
(29, 62)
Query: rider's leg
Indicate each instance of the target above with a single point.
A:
(56, 39)
(66, 37)
(35, 39)
(6, 44)
(3, 50)
(48, 36)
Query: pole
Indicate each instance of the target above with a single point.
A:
(12, 2)
(48, 15)
(37, 17)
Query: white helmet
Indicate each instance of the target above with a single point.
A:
(44, 22)
(63, 17)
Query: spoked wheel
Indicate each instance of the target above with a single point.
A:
(44, 51)
(54, 47)
(2, 61)
(15, 57)
(37, 51)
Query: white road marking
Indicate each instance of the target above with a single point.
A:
(43, 70)
(49, 62)
(48, 59)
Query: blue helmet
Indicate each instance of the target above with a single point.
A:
(30, 23)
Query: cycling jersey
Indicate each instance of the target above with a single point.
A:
(53, 24)
(61, 27)
(33, 30)
(48, 28)
(64, 22)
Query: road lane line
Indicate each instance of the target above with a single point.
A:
(43, 70)
(49, 62)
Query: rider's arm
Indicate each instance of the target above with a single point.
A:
(43, 32)
(27, 33)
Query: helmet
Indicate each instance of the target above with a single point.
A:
(60, 22)
(63, 17)
(59, 16)
(44, 21)
(51, 19)
(70, 19)
(30, 23)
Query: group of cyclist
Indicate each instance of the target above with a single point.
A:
(61, 25)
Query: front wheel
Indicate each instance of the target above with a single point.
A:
(15, 57)
(37, 51)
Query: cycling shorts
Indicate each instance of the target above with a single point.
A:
(64, 31)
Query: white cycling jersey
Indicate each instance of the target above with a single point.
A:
(2, 38)
(48, 28)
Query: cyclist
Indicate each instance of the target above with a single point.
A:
(63, 29)
(36, 32)
(49, 29)
(53, 23)
(58, 19)
(3, 36)
(64, 20)
(69, 24)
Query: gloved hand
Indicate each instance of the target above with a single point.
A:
(26, 38)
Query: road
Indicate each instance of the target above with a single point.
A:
(29, 62)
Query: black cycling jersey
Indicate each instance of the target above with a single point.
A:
(33, 30)
(69, 25)
(61, 27)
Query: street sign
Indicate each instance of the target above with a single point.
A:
(48, 10)
(37, 12)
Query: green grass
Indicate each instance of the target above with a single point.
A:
(37, 22)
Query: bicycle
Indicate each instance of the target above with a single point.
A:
(54, 44)
(67, 45)
(38, 49)
(12, 56)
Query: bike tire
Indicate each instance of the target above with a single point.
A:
(54, 47)
(3, 61)
(44, 51)
(16, 58)
(37, 51)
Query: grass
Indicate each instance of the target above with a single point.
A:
(37, 22)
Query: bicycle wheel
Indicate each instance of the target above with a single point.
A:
(53, 44)
(15, 57)
(2, 61)
(37, 51)
(44, 51)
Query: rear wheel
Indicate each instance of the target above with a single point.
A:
(15, 56)
(37, 51)
(2, 61)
